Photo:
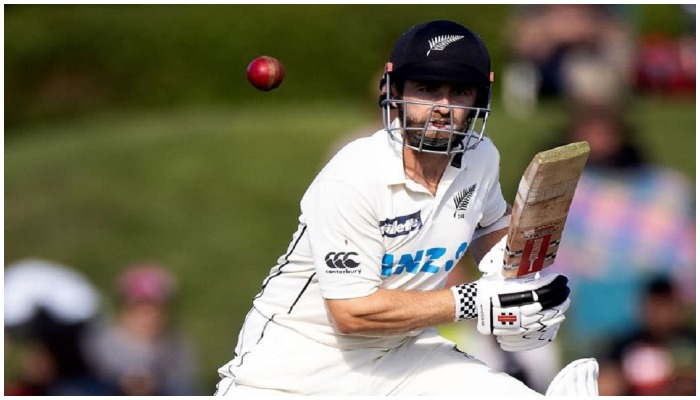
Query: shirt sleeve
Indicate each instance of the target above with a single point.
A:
(345, 240)
(494, 203)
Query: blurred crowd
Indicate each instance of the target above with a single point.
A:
(67, 339)
(629, 242)
(628, 246)
(544, 42)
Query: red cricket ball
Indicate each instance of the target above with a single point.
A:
(265, 73)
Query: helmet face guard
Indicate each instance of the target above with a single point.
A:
(453, 139)
(444, 52)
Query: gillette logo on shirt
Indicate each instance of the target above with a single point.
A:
(403, 225)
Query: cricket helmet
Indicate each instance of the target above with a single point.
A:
(441, 51)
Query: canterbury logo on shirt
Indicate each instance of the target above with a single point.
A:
(403, 225)
(341, 260)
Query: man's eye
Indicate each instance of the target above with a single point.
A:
(426, 89)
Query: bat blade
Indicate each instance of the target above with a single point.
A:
(541, 207)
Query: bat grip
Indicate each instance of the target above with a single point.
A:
(550, 295)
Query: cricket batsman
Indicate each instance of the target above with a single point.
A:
(352, 305)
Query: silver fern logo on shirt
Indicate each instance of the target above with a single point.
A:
(462, 199)
(439, 43)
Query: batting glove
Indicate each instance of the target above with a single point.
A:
(545, 334)
(521, 305)
(492, 263)
(514, 312)
(523, 313)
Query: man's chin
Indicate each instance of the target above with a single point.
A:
(432, 144)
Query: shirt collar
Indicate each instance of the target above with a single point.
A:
(391, 154)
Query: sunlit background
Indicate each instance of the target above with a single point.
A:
(134, 144)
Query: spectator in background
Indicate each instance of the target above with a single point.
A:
(628, 220)
(141, 352)
(543, 39)
(666, 63)
(49, 310)
(658, 358)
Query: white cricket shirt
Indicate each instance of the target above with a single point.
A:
(365, 225)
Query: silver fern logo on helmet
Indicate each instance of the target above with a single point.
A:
(439, 43)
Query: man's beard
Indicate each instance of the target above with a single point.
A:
(416, 132)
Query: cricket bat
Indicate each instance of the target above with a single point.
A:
(540, 208)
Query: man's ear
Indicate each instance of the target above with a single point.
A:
(396, 93)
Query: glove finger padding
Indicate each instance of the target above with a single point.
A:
(546, 317)
(534, 308)
(528, 342)
(539, 329)
(537, 322)
(539, 325)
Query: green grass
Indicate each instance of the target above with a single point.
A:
(213, 192)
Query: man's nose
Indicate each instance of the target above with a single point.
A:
(443, 100)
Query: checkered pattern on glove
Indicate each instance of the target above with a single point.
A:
(465, 301)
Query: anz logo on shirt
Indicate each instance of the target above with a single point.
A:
(430, 261)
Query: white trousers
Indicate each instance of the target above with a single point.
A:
(274, 360)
